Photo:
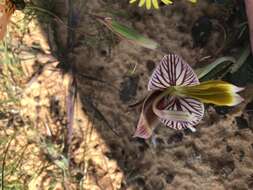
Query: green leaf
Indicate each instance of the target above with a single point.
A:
(127, 33)
(212, 69)
(62, 162)
(244, 75)
(242, 59)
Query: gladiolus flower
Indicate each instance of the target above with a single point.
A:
(155, 3)
(176, 97)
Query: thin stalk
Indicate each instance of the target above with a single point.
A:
(3, 164)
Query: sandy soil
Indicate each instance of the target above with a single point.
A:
(111, 75)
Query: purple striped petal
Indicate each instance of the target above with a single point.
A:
(143, 130)
(172, 71)
(190, 106)
(148, 120)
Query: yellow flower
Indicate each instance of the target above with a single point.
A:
(155, 3)
(216, 92)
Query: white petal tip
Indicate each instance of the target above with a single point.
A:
(154, 141)
(192, 129)
(238, 89)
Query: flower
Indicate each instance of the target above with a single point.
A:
(155, 3)
(176, 97)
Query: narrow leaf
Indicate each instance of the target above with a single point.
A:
(242, 59)
(127, 33)
(218, 64)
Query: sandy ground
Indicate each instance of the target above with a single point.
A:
(113, 74)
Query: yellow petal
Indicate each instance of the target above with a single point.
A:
(167, 2)
(155, 3)
(193, 1)
(141, 3)
(148, 4)
(215, 92)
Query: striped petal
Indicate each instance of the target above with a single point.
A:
(215, 92)
(148, 120)
(178, 112)
(172, 71)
